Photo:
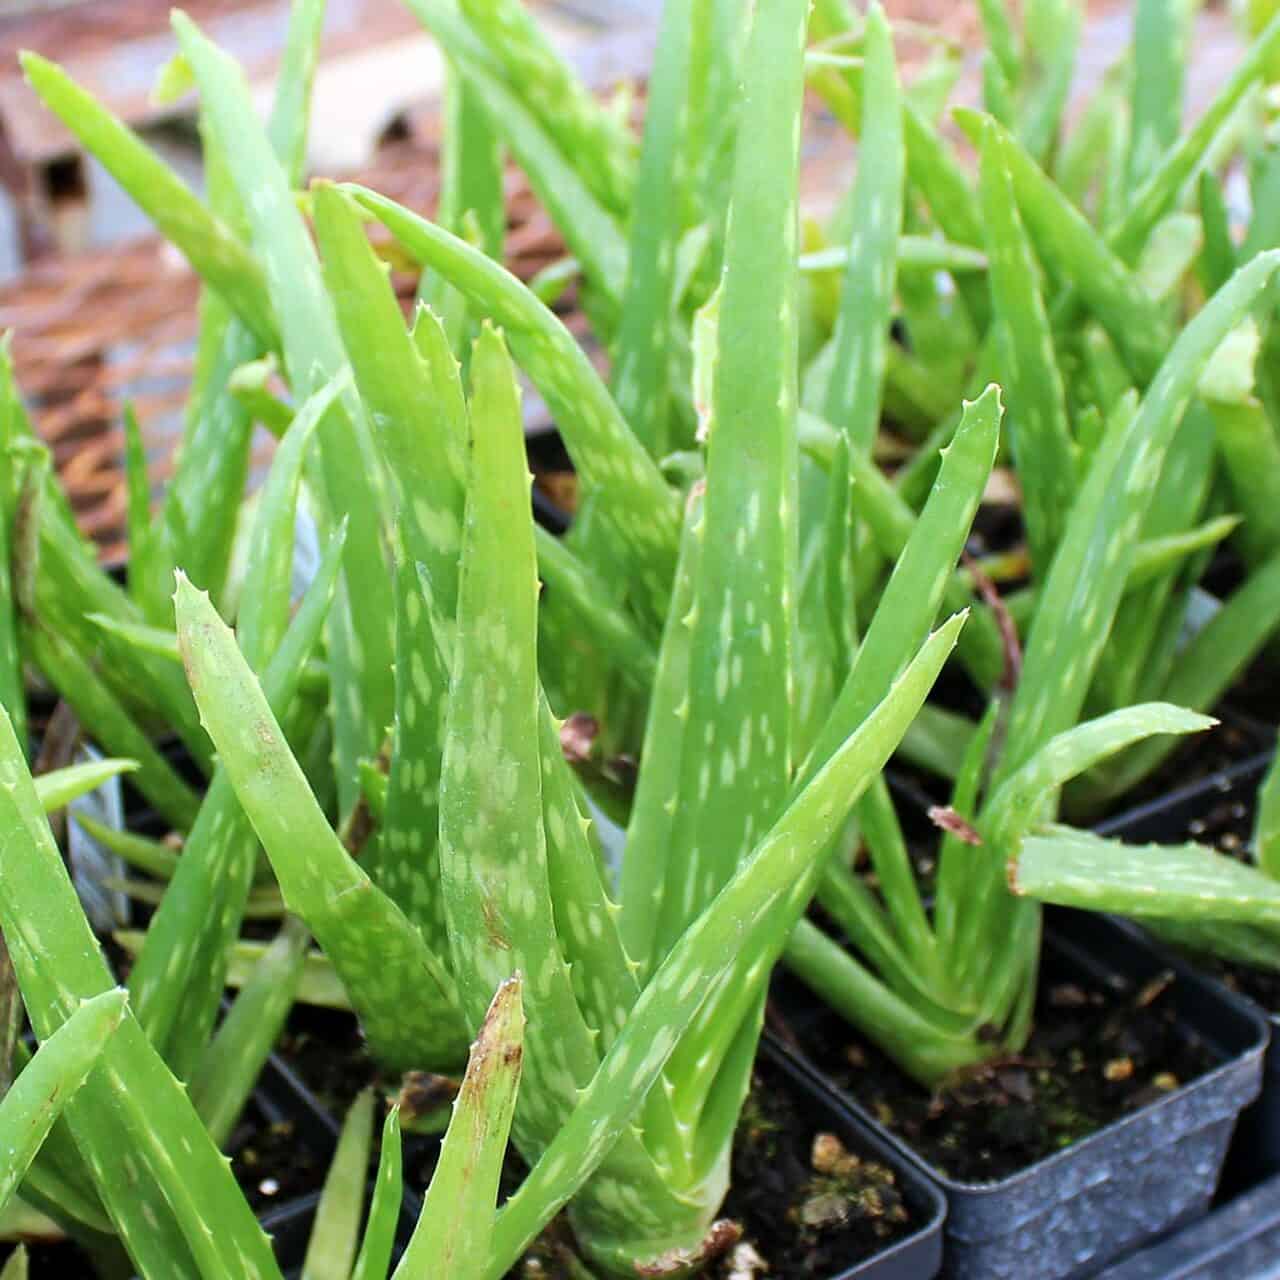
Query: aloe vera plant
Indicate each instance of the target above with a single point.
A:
(754, 619)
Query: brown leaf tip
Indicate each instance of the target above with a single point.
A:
(947, 819)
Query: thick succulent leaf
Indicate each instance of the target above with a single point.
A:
(361, 630)
(1087, 577)
(455, 1228)
(916, 589)
(291, 108)
(403, 992)
(653, 811)
(131, 1114)
(1073, 251)
(862, 328)
(1159, 55)
(59, 788)
(663, 199)
(177, 980)
(374, 1262)
(410, 386)
(265, 608)
(493, 847)
(50, 1080)
(1030, 374)
(215, 253)
(748, 920)
(588, 226)
(1182, 882)
(1266, 832)
(202, 503)
(733, 783)
(229, 1067)
(331, 1250)
(635, 505)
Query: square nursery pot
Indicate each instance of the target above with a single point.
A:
(915, 1257)
(1238, 1241)
(1255, 1150)
(1145, 1174)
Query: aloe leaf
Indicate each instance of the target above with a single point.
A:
(1227, 940)
(361, 631)
(147, 556)
(13, 695)
(319, 985)
(48, 1082)
(58, 789)
(862, 328)
(471, 194)
(374, 1262)
(208, 245)
(640, 512)
(291, 108)
(663, 199)
(740, 647)
(1186, 883)
(587, 225)
(915, 592)
(176, 982)
(653, 811)
(493, 845)
(455, 1229)
(229, 1067)
(1159, 45)
(264, 614)
(1086, 580)
(1055, 50)
(202, 503)
(331, 1250)
(1031, 377)
(598, 144)
(130, 1115)
(997, 28)
(1250, 449)
(749, 917)
(16, 1265)
(1023, 799)
(1266, 832)
(319, 880)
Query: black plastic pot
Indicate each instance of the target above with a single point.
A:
(917, 1256)
(1255, 1152)
(1126, 1184)
(1239, 1241)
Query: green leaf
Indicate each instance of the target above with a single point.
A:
(131, 1115)
(58, 789)
(1031, 378)
(748, 920)
(1086, 580)
(49, 1081)
(455, 1228)
(374, 1262)
(853, 399)
(331, 1250)
(1266, 832)
(404, 994)
(361, 631)
(636, 507)
(1184, 883)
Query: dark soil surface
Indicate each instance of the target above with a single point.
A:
(326, 1049)
(270, 1163)
(806, 1206)
(1097, 1053)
